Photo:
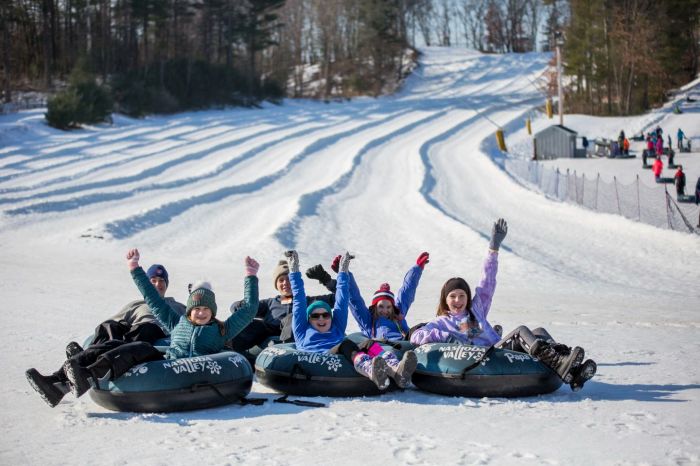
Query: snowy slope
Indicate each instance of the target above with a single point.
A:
(386, 179)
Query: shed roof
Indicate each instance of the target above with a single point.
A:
(557, 128)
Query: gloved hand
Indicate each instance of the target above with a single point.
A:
(293, 259)
(317, 272)
(251, 266)
(336, 263)
(423, 259)
(345, 262)
(132, 258)
(498, 232)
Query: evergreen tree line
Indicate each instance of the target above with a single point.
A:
(169, 55)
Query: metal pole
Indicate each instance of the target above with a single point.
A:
(559, 87)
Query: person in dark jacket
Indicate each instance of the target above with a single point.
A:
(679, 180)
(197, 333)
(135, 322)
(274, 316)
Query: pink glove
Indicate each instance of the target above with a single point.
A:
(423, 259)
(251, 266)
(132, 258)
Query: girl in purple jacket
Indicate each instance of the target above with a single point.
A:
(463, 319)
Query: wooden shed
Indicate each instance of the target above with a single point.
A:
(555, 142)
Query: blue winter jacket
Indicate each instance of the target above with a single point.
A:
(188, 339)
(384, 328)
(305, 336)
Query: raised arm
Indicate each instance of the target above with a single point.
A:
(245, 314)
(340, 309)
(358, 307)
(487, 285)
(159, 307)
(407, 292)
(300, 323)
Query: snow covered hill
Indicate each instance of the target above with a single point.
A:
(386, 179)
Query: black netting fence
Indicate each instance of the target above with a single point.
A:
(653, 205)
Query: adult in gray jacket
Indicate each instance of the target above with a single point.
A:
(135, 322)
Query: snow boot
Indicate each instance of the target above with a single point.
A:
(401, 371)
(72, 349)
(51, 389)
(561, 360)
(374, 369)
(78, 376)
(583, 374)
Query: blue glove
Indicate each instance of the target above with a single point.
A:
(498, 233)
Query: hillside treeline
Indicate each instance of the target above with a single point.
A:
(622, 56)
(142, 56)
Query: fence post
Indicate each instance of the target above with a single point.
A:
(668, 208)
(639, 206)
(597, 181)
(583, 188)
(617, 196)
(556, 186)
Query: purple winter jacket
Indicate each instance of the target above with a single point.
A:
(446, 328)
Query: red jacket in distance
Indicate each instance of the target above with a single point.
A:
(657, 167)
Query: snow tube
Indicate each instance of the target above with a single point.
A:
(286, 370)
(178, 384)
(477, 371)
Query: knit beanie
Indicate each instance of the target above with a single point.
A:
(318, 305)
(384, 292)
(457, 283)
(281, 269)
(157, 270)
(202, 295)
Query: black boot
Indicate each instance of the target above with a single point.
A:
(72, 349)
(78, 376)
(582, 374)
(561, 360)
(51, 388)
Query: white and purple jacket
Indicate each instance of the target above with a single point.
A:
(447, 328)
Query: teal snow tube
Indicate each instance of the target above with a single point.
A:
(178, 384)
(287, 370)
(477, 371)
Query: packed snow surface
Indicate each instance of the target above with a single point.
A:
(385, 179)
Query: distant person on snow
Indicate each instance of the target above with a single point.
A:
(135, 322)
(679, 180)
(657, 167)
(626, 146)
(196, 333)
(385, 318)
(274, 316)
(680, 136)
(659, 146)
(461, 319)
(320, 329)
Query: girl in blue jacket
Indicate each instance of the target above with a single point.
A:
(319, 329)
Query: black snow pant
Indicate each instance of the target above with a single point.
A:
(253, 335)
(522, 338)
(349, 348)
(114, 357)
(113, 330)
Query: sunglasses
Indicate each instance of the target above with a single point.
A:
(322, 315)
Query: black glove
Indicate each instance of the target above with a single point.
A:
(498, 232)
(317, 272)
